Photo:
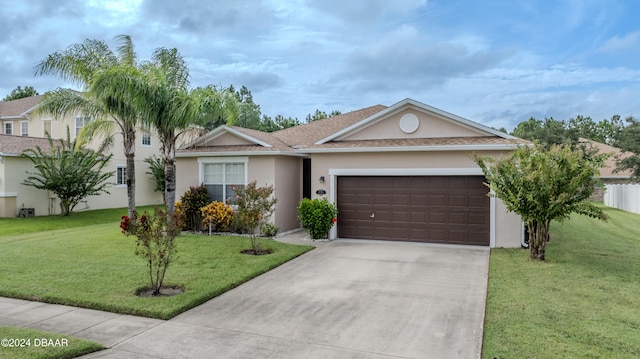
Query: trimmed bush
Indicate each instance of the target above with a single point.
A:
(190, 203)
(317, 216)
(216, 216)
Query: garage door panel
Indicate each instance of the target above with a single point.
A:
(415, 208)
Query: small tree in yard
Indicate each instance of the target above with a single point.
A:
(254, 207)
(155, 242)
(69, 170)
(317, 216)
(544, 185)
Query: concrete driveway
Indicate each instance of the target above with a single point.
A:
(345, 299)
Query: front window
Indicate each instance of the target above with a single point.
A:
(8, 128)
(81, 122)
(121, 176)
(24, 128)
(220, 177)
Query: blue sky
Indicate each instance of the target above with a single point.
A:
(494, 62)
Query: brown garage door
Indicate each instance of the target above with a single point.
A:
(436, 209)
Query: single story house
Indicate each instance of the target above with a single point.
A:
(404, 172)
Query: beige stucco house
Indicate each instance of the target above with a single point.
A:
(21, 129)
(404, 172)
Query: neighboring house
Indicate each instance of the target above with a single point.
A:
(404, 172)
(20, 130)
(608, 172)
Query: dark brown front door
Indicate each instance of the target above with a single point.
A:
(439, 209)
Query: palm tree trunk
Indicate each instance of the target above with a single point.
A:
(170, 182)
(131, 183)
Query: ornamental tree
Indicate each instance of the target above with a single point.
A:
(155, 242)
(544, 185)
(69, 170)
(254, 206)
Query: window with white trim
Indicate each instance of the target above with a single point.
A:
(146, 135)
(220, 178)
(81, 122)
(121, 175)
(46, 128)
(24, 128)
(8, 128)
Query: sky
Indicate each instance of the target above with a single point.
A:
(494, 62)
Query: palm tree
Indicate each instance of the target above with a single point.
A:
(167, 104)
(94, 66)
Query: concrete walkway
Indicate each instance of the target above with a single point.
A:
(346, 299)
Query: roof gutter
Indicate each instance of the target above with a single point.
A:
(239, 153)
(492, 147)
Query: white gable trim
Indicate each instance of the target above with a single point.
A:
(219, 131)
(379, 116)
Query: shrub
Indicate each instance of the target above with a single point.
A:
(317, 216)
(254, 207)
(269, 230)
(216, 216)
(155, 242)
(191, 202)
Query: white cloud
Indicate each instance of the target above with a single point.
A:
(624, 43)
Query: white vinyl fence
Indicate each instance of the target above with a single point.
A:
(623, 196)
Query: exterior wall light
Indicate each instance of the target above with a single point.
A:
(321, 179)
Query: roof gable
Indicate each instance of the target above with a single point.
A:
(227, 136)
(412, 119)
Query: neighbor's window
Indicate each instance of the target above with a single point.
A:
(81, 122)
(121, 175)
(219, 177)
(24, 128)
(146, 135)
(8, 128)
(46, 127)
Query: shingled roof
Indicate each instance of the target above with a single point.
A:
(307, 138)
(16, 145)
(18, 108)
(610, 164)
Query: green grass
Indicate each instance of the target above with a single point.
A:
(95, 267)
(11, 226)
(583, 302)
(31, 345)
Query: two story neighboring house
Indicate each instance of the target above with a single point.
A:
(20, 129)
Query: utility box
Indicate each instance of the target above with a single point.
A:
(27, 212)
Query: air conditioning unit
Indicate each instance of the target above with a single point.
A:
(27, 212)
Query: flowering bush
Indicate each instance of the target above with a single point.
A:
(216, 216)
(254, 207)
(155, 242)
(317, 216)
(191, 202)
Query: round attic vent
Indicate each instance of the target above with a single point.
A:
(409, 123)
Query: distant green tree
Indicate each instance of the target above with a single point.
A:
(548, 132)
(20, 92)
(630, 143)
(542, 185)
(321, 115)
(69, 170)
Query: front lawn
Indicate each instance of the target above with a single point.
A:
(95, 267)
(582, 303)
(21, 343)
(10, 226)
